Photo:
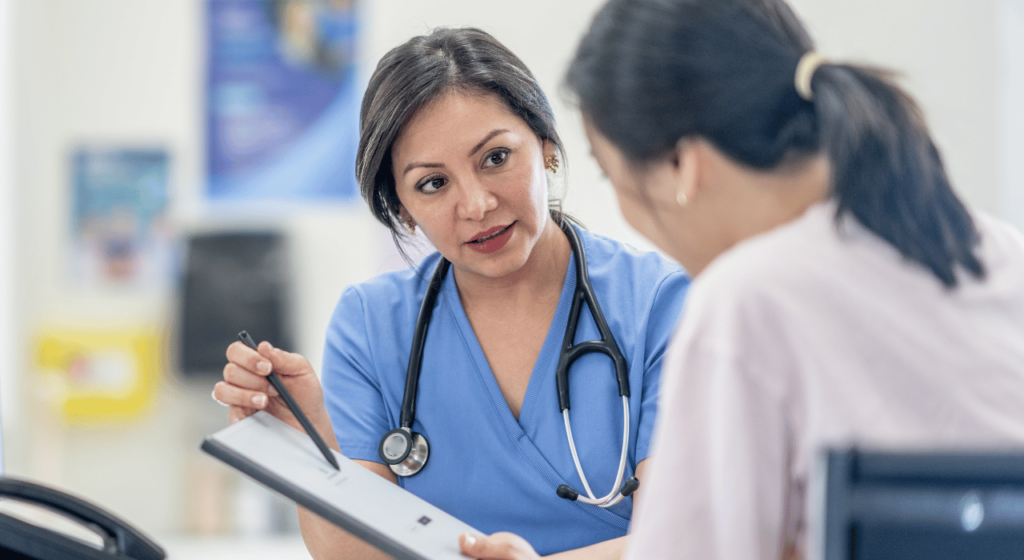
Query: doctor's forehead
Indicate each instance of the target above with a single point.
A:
(455, 124)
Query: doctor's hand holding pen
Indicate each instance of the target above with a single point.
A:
(246, 390)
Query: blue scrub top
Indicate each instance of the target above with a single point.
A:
(488, 469)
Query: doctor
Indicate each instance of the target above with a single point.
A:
(445, 379)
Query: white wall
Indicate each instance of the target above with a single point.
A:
(8, 381)
(947, 54)
(130, 71)
(110, 73)
(1010, 15)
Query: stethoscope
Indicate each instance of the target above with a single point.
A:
(406, 452)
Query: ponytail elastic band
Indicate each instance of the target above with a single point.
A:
(805, 70)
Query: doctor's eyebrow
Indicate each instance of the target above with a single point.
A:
(475, 149)
(415, 164)
(486, 139)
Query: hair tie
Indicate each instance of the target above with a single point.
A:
(805, 70)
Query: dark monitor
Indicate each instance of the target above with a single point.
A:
(927, 506)
(233, 281)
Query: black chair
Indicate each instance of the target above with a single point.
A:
(233, 281)
(933, 506)
(22, 540)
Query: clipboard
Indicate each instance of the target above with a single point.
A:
(359, 501)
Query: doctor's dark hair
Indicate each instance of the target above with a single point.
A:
(649, 73)
(410, 76)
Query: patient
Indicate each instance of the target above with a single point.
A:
(843, 294)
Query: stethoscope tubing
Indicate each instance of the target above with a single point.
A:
(584, 292)
(419, 340)
(615, 496)
(405, 463)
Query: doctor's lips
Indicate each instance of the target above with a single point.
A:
(492, 239)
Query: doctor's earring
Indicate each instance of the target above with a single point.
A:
(681, 198)
(412, 227)
(551, 164)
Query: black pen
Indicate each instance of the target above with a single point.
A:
(293, 406)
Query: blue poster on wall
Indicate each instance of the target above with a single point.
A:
(282, 117)
(119, 222)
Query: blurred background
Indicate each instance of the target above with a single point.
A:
(174, 171)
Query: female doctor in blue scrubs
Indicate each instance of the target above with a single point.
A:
(458, 144)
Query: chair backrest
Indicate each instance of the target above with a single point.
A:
(233, 281)
(933, 506)
(49, 524)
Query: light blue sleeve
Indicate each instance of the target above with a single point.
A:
(665, 310)
(352, 389)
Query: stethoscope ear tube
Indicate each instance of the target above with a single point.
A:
(573, 352)
(617, 492)
(630, 486)
(570, 350)
(632, 483)
(565, 491)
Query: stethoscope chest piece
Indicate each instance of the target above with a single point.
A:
(406, 452)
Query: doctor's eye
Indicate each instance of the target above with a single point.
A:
(431, 184)
(496, 157)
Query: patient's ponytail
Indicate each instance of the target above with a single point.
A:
(887, 171)
(651, 72)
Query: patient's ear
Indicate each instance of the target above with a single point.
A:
(686, 170)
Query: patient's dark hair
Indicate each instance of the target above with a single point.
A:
(410, 76)
(649, 73)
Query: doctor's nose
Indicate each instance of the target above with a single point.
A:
(475, 201)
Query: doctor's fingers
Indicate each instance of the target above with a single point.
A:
(249, 359)
(268, 359)
(499, 546)
(238, 397)
(241, 377)
(285, 362)
(236, 413)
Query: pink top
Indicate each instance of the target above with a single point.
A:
(814, 335)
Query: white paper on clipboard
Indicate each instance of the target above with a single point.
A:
(383, 514)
